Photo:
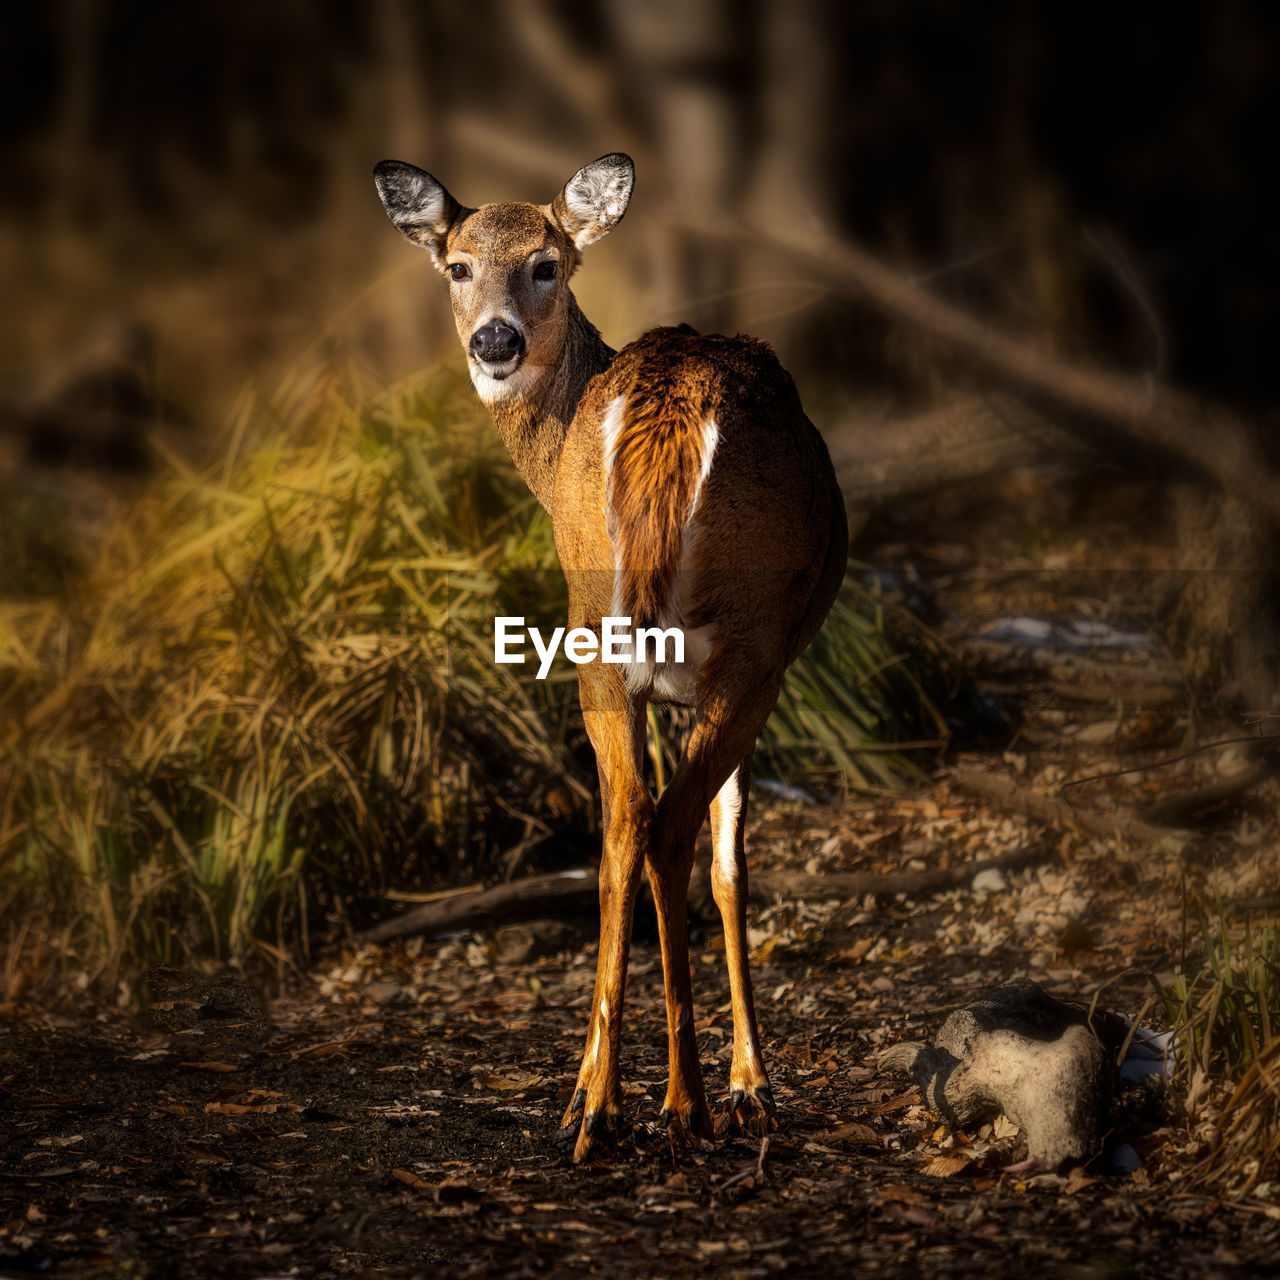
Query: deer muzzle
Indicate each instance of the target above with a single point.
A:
(497, 345)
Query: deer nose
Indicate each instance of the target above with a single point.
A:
(496, 343)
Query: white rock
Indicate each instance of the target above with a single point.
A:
(991, 880)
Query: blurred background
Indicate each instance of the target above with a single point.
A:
(189, 188)
(234, 425)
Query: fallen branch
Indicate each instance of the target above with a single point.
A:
(1184, 804)
(565, 893)
(879, 461)
(1059, 812)
(575, 893)
(1210, 437)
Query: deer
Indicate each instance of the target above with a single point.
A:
(686, 487)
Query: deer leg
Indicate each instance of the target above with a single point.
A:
(723, 735)
(669, 871)
(596, 1106)
(751, 1107)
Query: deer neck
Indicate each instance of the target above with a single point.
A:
(533, 425)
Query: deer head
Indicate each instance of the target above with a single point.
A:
(508, 265)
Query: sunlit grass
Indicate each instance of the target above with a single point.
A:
(271, 696)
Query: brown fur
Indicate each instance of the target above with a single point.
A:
(674, 381)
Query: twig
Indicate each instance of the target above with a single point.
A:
(1162, 764)
(755, 1176)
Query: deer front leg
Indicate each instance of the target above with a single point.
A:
(751, 1106)
(595, 1110)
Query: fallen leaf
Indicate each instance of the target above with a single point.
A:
(202, 1151)
(855, 953)
(410, 1179)
(456, 1189)
(897, 1192)
(945, 1166)
(503, 1084)
(248, 1108)
(904, 1100)
(328, 1048)
(1003, 1127)
(853, 1131)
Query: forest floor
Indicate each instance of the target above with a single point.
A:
(395, 1111)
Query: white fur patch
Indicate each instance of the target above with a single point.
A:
(600, 1023)
(615, 418)
(710, 438)
(494, 390)
(729, 803)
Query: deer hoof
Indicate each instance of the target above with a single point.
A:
(752, 1111)
(687, 1126)
(573, 1113)
(598, 1136)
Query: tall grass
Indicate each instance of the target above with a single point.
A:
(1226, 1018)
(271, 695)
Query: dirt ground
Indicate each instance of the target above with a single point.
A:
(395, 1112)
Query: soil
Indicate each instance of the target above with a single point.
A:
(395, 1112)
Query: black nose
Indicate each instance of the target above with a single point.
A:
(496, 343)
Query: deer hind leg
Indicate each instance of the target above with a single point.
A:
(595, 1110)
(751, 1106)
(722, 737)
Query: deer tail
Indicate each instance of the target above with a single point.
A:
(658, 450)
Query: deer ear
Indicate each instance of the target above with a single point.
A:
(595, 198)
(421, 209)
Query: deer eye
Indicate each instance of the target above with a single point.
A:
(545, 270)
(459, 271)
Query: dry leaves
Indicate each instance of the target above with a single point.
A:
(251, 1102)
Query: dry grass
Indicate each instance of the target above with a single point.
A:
(1227, 1023)
(271, 696)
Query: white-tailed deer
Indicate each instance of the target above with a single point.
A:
(686, 487)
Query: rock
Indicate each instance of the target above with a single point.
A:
(1097, 733)
(1019, 1051)
(992, 880)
